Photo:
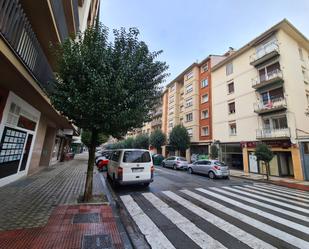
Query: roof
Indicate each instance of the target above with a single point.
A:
(284, 24)
(182, 73)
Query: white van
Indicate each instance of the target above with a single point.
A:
(130, 166)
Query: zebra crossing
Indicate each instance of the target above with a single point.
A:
(240, 216)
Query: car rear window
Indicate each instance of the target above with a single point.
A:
(219, 163)
(136, 157)
(182, 159)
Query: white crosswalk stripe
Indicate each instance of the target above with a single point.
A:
(229, 210)
(197, 235)
(280, 194)
(284, 190)
(154, 236)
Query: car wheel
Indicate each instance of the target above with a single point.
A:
(190, 171)
(211, 175)
(163, 165)
(175, 167)
(227, 177)
(147, 184)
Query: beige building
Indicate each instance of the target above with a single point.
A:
(33, 134)
(261, 93)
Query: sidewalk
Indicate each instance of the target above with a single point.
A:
(41, 211)
(281, 181)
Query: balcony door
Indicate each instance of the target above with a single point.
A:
(272, 95)
(277, 123)
(267, 72)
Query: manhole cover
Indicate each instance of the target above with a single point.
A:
(100, 241)
(86, 218)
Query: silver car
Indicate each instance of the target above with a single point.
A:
(175, 162)
(212, 168)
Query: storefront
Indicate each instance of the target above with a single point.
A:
(285, 163)
(18, 128)
(231, 154)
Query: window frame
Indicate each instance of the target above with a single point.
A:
(202, 98)
(202, 83)
(202, 114)
(189, 88)
(229, 68)
(202, 131)
(229, 110)
(230, 130)
(189, 115)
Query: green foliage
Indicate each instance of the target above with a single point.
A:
(129, 143)
(263, 153)
(141, 142)
(157, 139)
(86, 137)
(107, 86)
(214, 151)
(179, 138)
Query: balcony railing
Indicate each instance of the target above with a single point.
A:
(17, 32)
(58, 11)
(270, 77)
(76, 18)
(266, 52)
(272, 105)
(156, 122)
(273, 133)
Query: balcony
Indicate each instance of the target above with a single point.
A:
(276, 104)
(267, 52)
(272, 77)
(17, 32)
(156, 123)
(158, 113)
(269, 134)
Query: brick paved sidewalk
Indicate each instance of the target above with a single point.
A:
(68, 228)
(39, 211)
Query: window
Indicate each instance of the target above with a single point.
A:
(204, 98)
(189, 102)
(205, 114)
(190, 132)
(230, 87)
(189, 117)
(189, 75)
(137, 156)
(189, 88)
(280, 123)
(204, 83)
(231, 107)
(229, 68)
(301, 56)
(232, 129)
(205, 131)
(172, 99)
(170, 124)
(205, 67)
(269, 71)
(115, 156)
(181, 108)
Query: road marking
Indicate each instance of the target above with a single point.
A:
(193, 232)
(242, 191)
(153, 235)
(262, 204)
(284, 190)
(248, 188)
(269, 216)
(251, 221)
(234, 231)
(279, 194)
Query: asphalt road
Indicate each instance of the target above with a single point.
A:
(179, 210)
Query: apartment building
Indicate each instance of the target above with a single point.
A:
(33, 134)
(261, 94)
(187, 102)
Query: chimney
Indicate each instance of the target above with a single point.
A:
(230, 52)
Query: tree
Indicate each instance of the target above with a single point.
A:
(129, 143)
(86, 137)
(104, 86)
(214, 151)
(179, 138)
(157, 139)
(141, 142)
(264, 153)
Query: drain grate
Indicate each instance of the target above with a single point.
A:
(86, 218)
(100, 241)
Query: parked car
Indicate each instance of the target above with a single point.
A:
(102, 160)
(175, 162)
(213, 168)
(130, 166)
(157, 159)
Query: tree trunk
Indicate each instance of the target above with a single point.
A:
(89, 178)
(267, 171)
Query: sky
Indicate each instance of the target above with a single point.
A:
(189, 30)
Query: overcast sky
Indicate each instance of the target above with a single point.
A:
(190, 30)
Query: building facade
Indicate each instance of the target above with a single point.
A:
(33, 134)
(260, 94)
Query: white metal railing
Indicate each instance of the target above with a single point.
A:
(273, 133)
(277, 73)
(271, 104)
(264, 50)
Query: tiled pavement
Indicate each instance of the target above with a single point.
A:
(29, 202)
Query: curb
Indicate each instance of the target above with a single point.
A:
(129, 232)
(287, 185)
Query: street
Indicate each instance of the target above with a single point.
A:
(180, 210)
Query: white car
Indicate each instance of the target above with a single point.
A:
(130, 166)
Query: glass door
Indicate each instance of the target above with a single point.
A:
(26, 153)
